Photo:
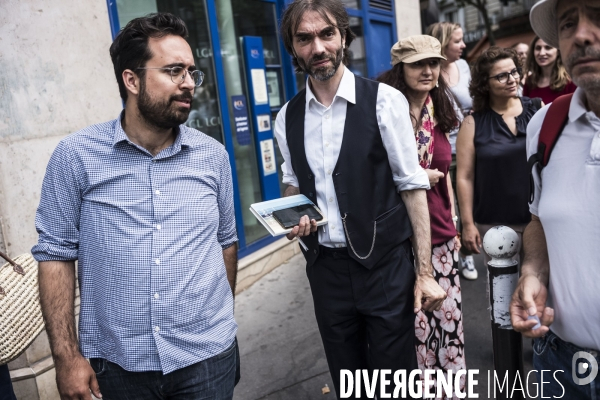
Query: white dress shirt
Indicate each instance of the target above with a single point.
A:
(567, 201)
(323, 133)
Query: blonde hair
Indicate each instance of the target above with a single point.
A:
(442, 31)
(558, 77)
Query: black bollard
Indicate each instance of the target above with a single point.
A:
(502, 243)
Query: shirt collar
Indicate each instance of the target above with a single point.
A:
(183, 138)
(120, 135)
(346, 89)
(577, 106)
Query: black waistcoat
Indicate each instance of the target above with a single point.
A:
(373, 213)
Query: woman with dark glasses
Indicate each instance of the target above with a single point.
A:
(492, 174)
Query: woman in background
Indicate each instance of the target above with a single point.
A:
(492, 174)
(455, 70)
(547, 77)
(457, 74)
(416, 73)
(521, 49)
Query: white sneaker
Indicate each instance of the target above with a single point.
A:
(468, 268)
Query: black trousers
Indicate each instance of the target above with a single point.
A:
(365, 317)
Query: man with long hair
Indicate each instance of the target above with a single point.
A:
(348, 145)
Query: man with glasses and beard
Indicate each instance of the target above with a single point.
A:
(348, 145)
(145, 205)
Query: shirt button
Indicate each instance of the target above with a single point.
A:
(332, 226)
(157, 261)
(157, 191)
(156, 328)
(326, 116)
(326, 144)
(156, 296)
(331, 199)
(158, 226)
(329, 172)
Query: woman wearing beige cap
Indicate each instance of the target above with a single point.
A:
(416, 73)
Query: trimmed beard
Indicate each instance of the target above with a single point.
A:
(162, 114)
(322, 73)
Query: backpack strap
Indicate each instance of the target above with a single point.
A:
(554, 122)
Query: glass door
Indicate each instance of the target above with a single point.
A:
(236, 19)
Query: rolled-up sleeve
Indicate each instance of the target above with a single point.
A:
(226, 234)
(289, 177)
(57, 217)
(399, 140)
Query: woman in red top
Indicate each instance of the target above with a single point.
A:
(416, 73)
(547, 77)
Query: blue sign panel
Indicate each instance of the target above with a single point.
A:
(240, 117)
(260, 111)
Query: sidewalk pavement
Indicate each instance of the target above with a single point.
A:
(282, 356)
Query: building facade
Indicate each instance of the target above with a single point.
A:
(58, 78)
(509, 19)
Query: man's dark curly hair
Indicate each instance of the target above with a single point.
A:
(130, 49)
(479, 88)
(292, 16)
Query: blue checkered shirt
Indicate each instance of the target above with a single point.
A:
(148, 233)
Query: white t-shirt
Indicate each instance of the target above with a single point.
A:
(461, 89)
(461, 92)
(569, 209)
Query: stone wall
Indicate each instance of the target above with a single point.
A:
(408, 18)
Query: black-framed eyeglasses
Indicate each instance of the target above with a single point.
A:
(178, 74)
(503, 77)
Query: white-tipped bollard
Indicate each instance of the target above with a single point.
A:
(502, 243)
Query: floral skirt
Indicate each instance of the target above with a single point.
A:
(440, 337)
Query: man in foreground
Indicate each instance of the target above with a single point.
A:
(145, 205)
(561, 269)
(348, 146)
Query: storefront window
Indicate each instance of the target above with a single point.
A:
(236, 19)
(358, 60)
(205, 115)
